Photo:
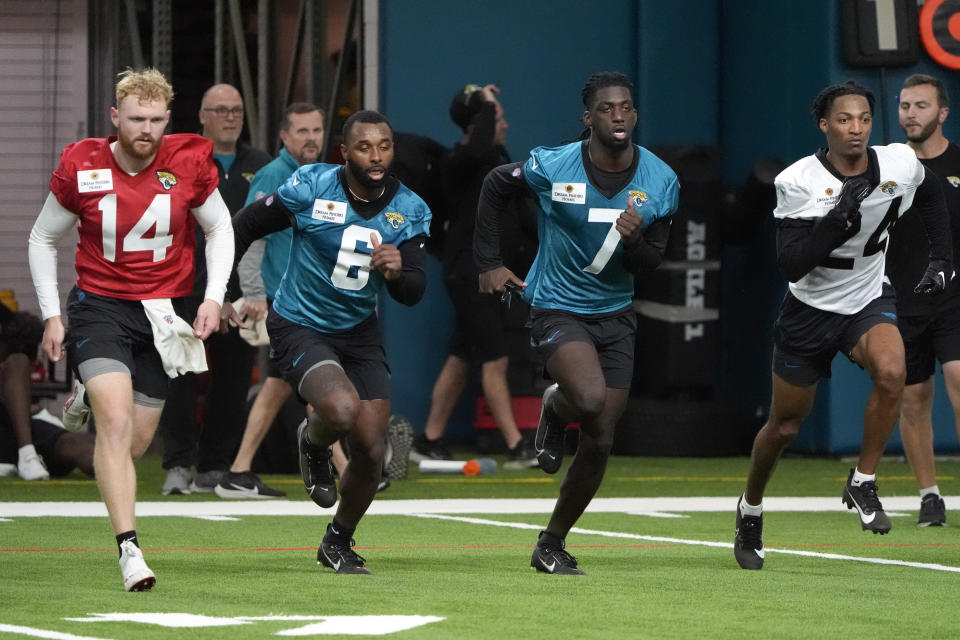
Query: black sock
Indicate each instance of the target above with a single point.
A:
(127, 535)
(336, 532)
(547, 539)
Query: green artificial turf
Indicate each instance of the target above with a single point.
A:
(673, 577)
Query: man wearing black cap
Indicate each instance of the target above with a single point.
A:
(478, 335)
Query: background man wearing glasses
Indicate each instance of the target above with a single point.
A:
(196, 458)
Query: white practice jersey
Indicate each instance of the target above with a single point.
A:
(852, 275)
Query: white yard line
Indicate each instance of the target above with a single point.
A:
(41, 633)
(700, 543)
(234, 508)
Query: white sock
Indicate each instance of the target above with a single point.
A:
(860, 478)
(749, 509)
(935, 490)
(26, 451)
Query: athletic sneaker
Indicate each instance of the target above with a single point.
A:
(177, 482)
(933, 511)
(340, 557)
(399, 443)
(244, 484)
(864, 499)
(76, 413)
(748, 541)
(316, 469)
(553, 559)
(425, 449)
(384, 484)
(522, 456)
(551, 432)
(31, 468)
(206, 481)
(136, 574)
(7, 470)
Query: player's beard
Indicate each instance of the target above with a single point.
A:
(360, 175)
(925, 132)
(129, 146)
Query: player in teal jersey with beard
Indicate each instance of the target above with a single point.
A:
(605, 205)
(356, 230)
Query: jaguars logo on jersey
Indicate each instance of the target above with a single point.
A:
(395, 219)
(639, 197)
(247, 176)
(954, 181)
(167, 179)
(889, 187)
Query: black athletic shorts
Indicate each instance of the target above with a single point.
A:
(101, 327)
(44, 435)
(806, 338)
(611, 334)
(478, 328)
(930, 338)
(359, 352)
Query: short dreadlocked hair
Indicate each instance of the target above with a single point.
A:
(824, 101)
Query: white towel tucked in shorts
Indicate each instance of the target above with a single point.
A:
(180, 350)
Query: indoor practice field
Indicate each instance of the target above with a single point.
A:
(450, 559)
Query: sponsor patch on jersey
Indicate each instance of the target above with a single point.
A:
(516, 172)
(247, 176)
(639, 197)
(395, 219)
(889, 187)
(329, 211)
(954, 181)
(167, 179)
(570, 192)
(828, 199)
(94, 180)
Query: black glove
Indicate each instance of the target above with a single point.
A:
(853, 192)
(938, 275)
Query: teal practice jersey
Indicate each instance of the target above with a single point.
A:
(328, 284)
(580, 265)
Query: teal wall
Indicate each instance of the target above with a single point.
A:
(736, 73)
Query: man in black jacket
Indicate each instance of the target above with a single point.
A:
(210, 449)
(478, 336)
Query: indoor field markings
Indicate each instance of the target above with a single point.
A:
(701, 543)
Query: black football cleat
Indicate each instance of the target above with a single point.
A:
(316, 469)
(548, 558)
(864, 499)
(748, 540)
(551, 431)
(933, 511)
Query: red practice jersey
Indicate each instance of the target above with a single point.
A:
(136, 232)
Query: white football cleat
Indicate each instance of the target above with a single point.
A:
(136, 574)
(76, 413)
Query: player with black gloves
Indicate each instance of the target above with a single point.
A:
(834, 212)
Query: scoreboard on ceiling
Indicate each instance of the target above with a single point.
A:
(888, 33)
(880, 33)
